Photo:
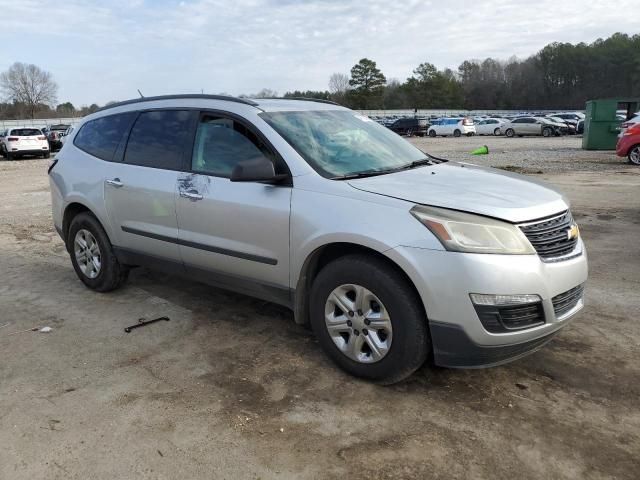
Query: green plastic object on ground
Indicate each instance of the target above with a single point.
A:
(483, 150)
(601, 126)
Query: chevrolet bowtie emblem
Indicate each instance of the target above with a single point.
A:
(573, 232)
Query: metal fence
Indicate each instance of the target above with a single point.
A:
(38, 122)
(42, 122)
(448, 112)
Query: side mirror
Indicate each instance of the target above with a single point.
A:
(256, 170)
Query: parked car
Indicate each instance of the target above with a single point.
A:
(490, 126)
(410, 127)
(18, 142)
(392, 256)
(452, 126)
(529, 126)
(629, 144)
(67, 132)
(629, 123)
(561, 127)
(54, 135)
(569, 126)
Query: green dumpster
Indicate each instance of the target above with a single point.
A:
(601, 125)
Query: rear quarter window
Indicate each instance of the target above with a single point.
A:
(101, 137)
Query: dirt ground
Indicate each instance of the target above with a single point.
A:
(232, 388)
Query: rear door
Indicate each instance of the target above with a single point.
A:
(140, 192)
(236, 233)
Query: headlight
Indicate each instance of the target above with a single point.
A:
(465, 232)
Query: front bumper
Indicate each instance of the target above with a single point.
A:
(444, 281)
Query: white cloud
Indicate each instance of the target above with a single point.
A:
(106, 50)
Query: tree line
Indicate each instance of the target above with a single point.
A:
(560, 76)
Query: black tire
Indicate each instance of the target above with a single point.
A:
(46, 155)
(547, 132)
(497, 132)
(510, 132)
(112, 274)
(410, 343)
(432, 133)
(634, 155)
(409, 133)
(457, 133)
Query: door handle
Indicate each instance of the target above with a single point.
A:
(115, 183)
(191, 195)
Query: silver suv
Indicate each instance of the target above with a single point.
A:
(391, 255)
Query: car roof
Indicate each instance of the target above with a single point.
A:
(264, 104)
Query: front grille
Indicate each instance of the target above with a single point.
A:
(496, 319)
(550, 236)
(564, 302)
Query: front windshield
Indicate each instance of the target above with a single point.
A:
(341, 143)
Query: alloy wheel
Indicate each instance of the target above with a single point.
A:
(634, 155)
(87, 253)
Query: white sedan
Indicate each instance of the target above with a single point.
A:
(490, 126)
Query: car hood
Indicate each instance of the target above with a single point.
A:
(470, 188)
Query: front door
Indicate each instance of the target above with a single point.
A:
(237, 233)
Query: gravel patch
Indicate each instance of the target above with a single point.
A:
(532, 155)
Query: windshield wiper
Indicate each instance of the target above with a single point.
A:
(419, 163)
(372, 173)
(365, 174)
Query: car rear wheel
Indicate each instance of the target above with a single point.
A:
(457, 133)
(10, 155)
(368, 319)
(497, 132)
(634, 155)
(92, 255)
(547, 132)
(510, 133)
(46, 155)
(432, 133)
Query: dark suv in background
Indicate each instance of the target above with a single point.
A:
(54, 134)
(410, 126)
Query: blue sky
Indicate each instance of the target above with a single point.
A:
(102, 51)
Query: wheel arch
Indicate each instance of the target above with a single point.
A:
(73, 209)
(325, 254)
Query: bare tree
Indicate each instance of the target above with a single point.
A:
(29, 85)
(265, 93)
(339, 87)
(338, 83)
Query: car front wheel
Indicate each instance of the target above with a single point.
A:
(92, 255)
(457, 133)
(496, 132)
(368, 319)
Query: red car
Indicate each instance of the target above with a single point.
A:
(629, 144)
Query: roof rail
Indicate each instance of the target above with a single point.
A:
(309, 99)
(306, 99)
(176, 97)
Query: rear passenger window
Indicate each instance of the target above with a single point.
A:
(158, 139)
(102, 136)
(221, 143)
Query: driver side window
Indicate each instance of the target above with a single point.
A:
(221, 143)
